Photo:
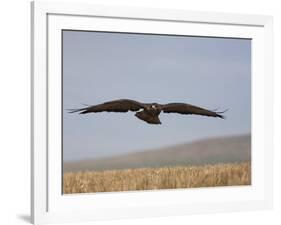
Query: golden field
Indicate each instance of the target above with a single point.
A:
(157, 178)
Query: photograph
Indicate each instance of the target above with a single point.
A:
(146, 111)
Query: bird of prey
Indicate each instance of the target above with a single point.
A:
(147, 112)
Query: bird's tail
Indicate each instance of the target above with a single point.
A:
(148, 118)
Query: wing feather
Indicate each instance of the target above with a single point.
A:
(183, 108)
(121, 105)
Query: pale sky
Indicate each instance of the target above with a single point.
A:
(99, 67)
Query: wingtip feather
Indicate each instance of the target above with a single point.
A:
(75, 110)
(221, 116)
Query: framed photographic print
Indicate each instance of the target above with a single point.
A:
(142, 112)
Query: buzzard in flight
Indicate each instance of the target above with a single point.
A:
(147, 112)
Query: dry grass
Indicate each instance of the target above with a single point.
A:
(158, 178)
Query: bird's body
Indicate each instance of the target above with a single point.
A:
(148, 112)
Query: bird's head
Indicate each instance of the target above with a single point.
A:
(154, 105)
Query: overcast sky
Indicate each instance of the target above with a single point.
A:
(99, 67)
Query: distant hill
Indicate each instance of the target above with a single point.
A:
(208, 151)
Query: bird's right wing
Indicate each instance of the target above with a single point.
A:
(122, 105)
(183, 108)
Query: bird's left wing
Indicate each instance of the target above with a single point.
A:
(183, 108)
(121, 105)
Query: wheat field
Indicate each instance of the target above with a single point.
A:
(157, 178)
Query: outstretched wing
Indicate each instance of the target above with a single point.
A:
(183, 108)
(122, 105)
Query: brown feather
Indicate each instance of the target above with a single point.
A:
(183, 108)
(151, 119)
(122, 105)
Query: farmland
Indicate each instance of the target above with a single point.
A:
(157, 178)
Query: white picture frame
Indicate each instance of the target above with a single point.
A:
(48, 205)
